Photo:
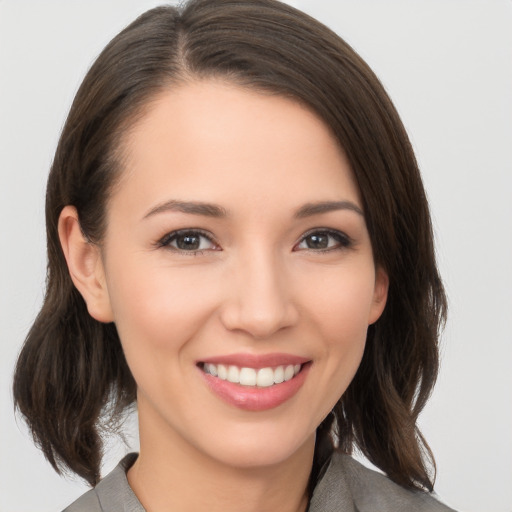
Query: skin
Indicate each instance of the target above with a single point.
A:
(258, 286)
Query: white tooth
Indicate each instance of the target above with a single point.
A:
(279, 374)
(211, 369)
(248, 377)
(233, 374)
(222, 372)
(265, 377)
(296, 369)
(288, 372)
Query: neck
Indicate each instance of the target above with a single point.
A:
(171, 475)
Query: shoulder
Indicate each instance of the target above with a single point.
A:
(112, 494)
(347, 483)
(87, 502)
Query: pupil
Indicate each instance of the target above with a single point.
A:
(319, 241)
(188, 242)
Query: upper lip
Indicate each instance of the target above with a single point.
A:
(256, 361)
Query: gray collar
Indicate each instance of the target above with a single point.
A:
(343, 485)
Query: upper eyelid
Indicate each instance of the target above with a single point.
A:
(199, 231)
(172, 234)
(329, 231)
(169, 236)
(345, 240)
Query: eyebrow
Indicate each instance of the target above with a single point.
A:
(216, 211)
(191, 207)
(310, 209)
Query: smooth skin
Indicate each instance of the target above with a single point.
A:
(246, 274)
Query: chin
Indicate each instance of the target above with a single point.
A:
(253, 450)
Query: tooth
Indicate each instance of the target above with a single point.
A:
(248, 377)
(233, 374)
(279, 374)
(288, 372)
(265, 377)
(222, 372)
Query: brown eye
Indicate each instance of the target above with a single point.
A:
(324, 241)
(188, 241)
(317, 241)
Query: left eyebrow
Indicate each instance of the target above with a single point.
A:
(310, 209)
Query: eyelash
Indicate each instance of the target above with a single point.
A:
(166, 241)
(343, 241)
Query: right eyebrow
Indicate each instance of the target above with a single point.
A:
(191, 207)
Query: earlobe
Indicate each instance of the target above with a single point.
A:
(85, 265)
(380, 295)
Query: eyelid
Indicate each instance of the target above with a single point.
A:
(344, 240)
(165, 241)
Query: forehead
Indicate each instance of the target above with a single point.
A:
(211, 138)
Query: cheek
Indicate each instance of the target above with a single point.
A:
(342, 307)
(159, 307)
(341, 317)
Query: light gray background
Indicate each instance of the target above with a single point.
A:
(447, 64)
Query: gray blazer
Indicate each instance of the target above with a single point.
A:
(345, 486)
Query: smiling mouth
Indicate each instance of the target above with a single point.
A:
(252, 377)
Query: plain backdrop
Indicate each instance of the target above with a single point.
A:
(447, 65)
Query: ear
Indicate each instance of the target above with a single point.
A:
(380, 295)
(85, 265)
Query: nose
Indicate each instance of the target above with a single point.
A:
(259, 297)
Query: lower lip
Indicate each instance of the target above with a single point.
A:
(252, 398)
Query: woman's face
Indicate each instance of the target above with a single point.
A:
(236, 248)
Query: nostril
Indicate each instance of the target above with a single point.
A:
(257, 321)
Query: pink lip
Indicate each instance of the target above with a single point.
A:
(252, 398)
(256, 361)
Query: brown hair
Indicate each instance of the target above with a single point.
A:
(72, 380)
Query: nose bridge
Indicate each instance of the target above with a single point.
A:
(259, 299)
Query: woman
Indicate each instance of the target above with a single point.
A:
(239, 242)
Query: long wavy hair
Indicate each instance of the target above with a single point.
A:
(72, 381)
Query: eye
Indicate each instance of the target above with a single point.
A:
(188, 240)
(324, 240)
